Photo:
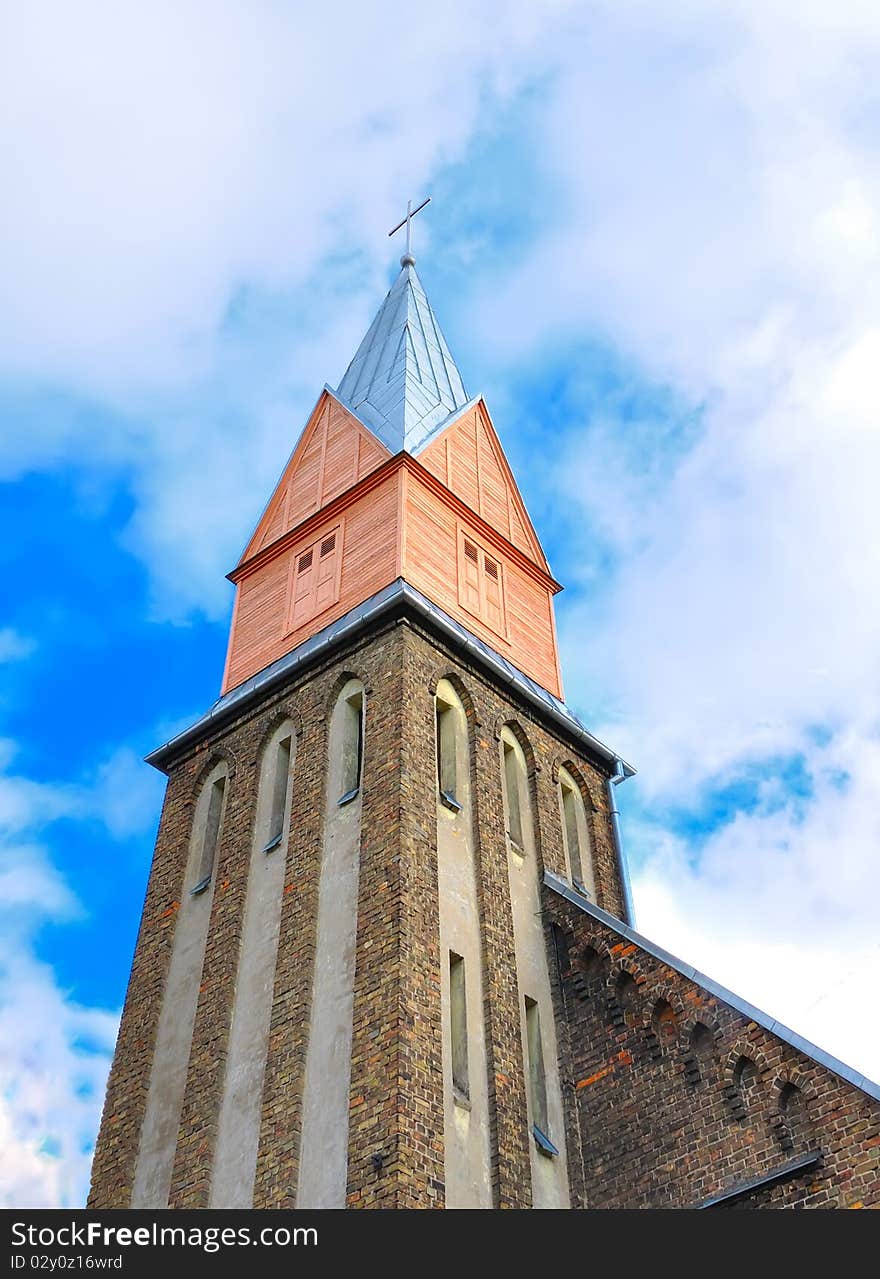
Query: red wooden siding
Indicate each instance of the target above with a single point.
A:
(334, 453)
(277, 609)
(513, 613)
(469, 460)
(346, 519)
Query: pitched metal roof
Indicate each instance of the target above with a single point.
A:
(403, 382)
(741, 1005)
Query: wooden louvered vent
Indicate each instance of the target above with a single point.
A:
(481, 584)
(314, 579)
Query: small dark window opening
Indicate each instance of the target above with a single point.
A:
(511, 786)
(447, 769)
(352, 747)
(305, 561)
(537, 1080)
(746, 1082)
(279, 795)
(211, 837)
(458, 1027)
(572, 835)
(794, 1115)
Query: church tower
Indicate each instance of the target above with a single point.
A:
(386, 957)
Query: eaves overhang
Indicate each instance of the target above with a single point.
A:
(399, 598)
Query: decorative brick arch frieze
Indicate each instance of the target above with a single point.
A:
(731, 1088)
(695, 1064)
(751, 1052)
(589, 973)
(617, 974)
(789, 1083)
(658, 1044)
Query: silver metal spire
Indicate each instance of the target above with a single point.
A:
(403, 382)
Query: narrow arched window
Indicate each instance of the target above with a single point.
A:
(576, 835)
(451, 745)
(513, 781)
(323, 1145)
(458, 1026)
(352, 742)
(280, 765)
(210, 835)
(537, 1079)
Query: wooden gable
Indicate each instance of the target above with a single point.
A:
(334, 452)
(468, 458)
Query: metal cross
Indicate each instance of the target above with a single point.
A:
(407, 222)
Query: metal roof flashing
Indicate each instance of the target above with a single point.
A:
(397, 596)
(854, 1077)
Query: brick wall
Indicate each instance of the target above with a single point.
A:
(653, 1118)
(396, 1094)
(668, 1118)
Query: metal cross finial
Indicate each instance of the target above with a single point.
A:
(408, 259)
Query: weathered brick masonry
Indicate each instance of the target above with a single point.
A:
(680, 1098)
(658, 1113)
(396, 1095)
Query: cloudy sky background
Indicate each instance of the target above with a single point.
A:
(653, 244)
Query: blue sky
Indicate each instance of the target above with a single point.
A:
(653, 245)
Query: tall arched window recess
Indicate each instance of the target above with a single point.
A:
(351, 741)
(451, 740)
(516, 790)
(279, 764)
(211, 816)
(576, 835)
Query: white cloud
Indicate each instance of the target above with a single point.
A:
(126, 794)
(780, 903)
(166, 166)
(53, 1070)
(26, 803)
(721, 227)
(54, 1052)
